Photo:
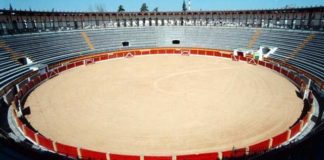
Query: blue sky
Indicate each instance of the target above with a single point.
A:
(164, 5)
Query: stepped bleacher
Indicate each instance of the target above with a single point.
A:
(43, 47)
(10, 69)
(308, 58)
(311, 58)
(52, 47)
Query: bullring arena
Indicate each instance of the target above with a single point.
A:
(191, 85)
(164, 104)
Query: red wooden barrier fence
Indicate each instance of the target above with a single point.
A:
(295, 129)
(137, 53)
(276, 68)
(205, 156)
(284, 72)
(23, 90)
(111, 56)
(161, 51)
(36, 80)
(66, 150)
(29, 133)
(262, 63)
(227, 55)
(71, 65)
(80, 63)
(145, 52)
(96, 59)
(291, 76)
(154, 52)
(157, 157)
(269, 65)
(43, 77)
(279, 139)
(61, 69)
(234, 153)
(177, 52)
(259, 147)
(306, 117)
(201, 52)
(29, 85)
(119, 54)
(45, 142)
(123, 157)
(193, 52)
(209, 53)
(217, 54)
(19, 123)
(242, 58)
(89, 154)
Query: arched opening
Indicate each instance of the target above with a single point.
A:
(14, 25)
(124, 23)
(137, 22)
(1, 29)
(144, 20)
(76, 25)
(131, 22)
(150, 21)
(162, 21)
(125, 44)
(176, 42)
(118, 23)
(34, 24)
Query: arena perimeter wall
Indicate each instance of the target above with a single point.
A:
(79, 152)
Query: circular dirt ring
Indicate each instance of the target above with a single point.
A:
(164, 104)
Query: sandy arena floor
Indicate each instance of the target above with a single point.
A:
(164, 104)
